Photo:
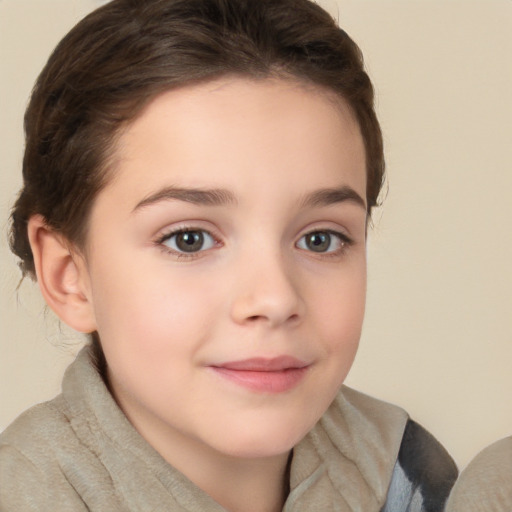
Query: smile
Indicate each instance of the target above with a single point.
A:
(262, 375)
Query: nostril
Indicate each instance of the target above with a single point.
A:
(258, 318)
(294, 318)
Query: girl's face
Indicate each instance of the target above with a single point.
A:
(226, 266)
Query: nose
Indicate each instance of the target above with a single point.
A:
(267, 292)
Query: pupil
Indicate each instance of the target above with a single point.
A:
(190, 241)
(319, 242)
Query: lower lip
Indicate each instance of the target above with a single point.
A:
(264, 381)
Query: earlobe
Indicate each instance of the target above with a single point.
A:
(62, 276)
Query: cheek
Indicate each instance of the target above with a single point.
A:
(150, 310)
(340, 308)
(152, 329)
(339, 320)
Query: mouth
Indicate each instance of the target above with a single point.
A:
(275, 375)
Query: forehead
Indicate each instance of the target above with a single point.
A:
(237, 130)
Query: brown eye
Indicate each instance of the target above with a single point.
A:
(189, 241)
(319, 241)
(323, 241)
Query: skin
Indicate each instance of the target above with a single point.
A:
(256, 288)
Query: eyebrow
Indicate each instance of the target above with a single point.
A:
(220, 197)
(331, 196)
(206, 197)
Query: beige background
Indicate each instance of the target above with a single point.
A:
(438, 335)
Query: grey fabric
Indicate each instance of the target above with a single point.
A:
(423, 476)
(79, 452)
(486, 484)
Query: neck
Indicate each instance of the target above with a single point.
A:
(238, 484)
(259, 485)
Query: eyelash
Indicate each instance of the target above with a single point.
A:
(344, 241)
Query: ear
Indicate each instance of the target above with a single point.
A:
(62, 276)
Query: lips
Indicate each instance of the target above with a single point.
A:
(275, 375)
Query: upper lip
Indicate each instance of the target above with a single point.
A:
(263, 364)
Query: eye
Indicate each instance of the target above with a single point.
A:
(323, 241)
(188, 241)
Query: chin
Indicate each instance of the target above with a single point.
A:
(265, 442)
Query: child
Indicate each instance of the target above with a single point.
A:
(198, 179)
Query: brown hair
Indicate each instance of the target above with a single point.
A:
(125, 53)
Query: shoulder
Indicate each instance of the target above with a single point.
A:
(425, 460)
(361, 417)
(486, 484)
(421, 471)
(36, 430)
(423, 475)
(30, 467)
